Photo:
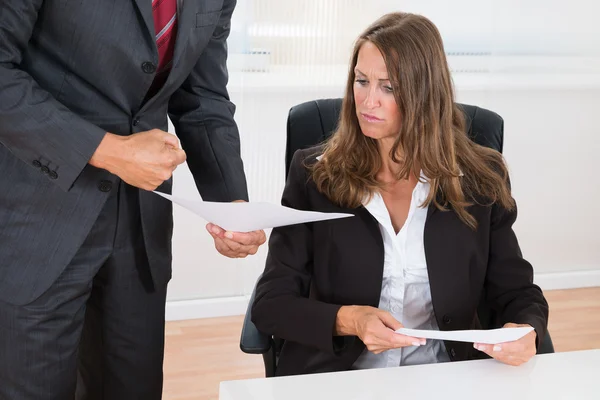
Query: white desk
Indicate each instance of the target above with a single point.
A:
(568, 376)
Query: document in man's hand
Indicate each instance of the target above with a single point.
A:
(491, 336)
(246, 217)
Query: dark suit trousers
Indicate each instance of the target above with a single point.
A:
(98, 332)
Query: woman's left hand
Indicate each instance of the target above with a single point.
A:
(512, 353)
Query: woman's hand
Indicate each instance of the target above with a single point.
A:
(512, 353)
(236, 244)
(374, 327)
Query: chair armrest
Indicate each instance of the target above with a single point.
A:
(546, 346)
(252, 341)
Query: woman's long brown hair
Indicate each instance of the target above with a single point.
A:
(432, 136)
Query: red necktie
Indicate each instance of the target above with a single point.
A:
(165, 28)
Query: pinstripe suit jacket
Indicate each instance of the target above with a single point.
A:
(71, 70)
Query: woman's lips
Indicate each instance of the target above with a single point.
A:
(370, 118)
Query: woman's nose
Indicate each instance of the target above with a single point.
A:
(372, 99)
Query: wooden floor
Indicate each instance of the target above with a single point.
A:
(202, 353)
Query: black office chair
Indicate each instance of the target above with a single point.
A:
(312, 123)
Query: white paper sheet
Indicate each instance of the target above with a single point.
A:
(491, 336)
(246, 217)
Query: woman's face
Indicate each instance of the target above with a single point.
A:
(376, 108)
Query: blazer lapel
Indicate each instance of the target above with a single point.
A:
(445, 241)
(438, 258)
(372, 287)
(185, 18)
(145, 8)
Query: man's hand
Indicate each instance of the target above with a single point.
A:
(375, 327)
(511, 353)
(144, 160)
(236, 244)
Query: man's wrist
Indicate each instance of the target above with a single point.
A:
(107, 149)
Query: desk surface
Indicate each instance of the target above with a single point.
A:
(568, 376)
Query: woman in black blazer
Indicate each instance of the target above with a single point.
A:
(431, 232)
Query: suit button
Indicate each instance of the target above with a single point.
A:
(105, 186)
(45, 169)
(136, 121)
(453, 352)
(447, 320)
(148, 67)
(53, 175)
(37, 164)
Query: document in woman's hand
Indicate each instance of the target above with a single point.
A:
(491, 336)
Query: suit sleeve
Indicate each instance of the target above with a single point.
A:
(203, 119)
(282, 306)
(34, 126)
(509, 280)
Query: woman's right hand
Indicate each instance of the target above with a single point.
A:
(375, 327)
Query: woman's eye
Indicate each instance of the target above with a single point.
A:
(361, 81)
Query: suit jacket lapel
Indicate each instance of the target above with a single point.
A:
(437, 256)
(372, 286)
(145, 8)
(185, 19)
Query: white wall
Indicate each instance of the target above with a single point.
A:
(552, 142)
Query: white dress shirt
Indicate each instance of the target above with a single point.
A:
(405, 291)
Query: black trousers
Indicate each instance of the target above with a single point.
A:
(98, 332)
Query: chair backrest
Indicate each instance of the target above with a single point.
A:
(313, 122)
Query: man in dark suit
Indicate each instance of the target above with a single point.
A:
(85, 248)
